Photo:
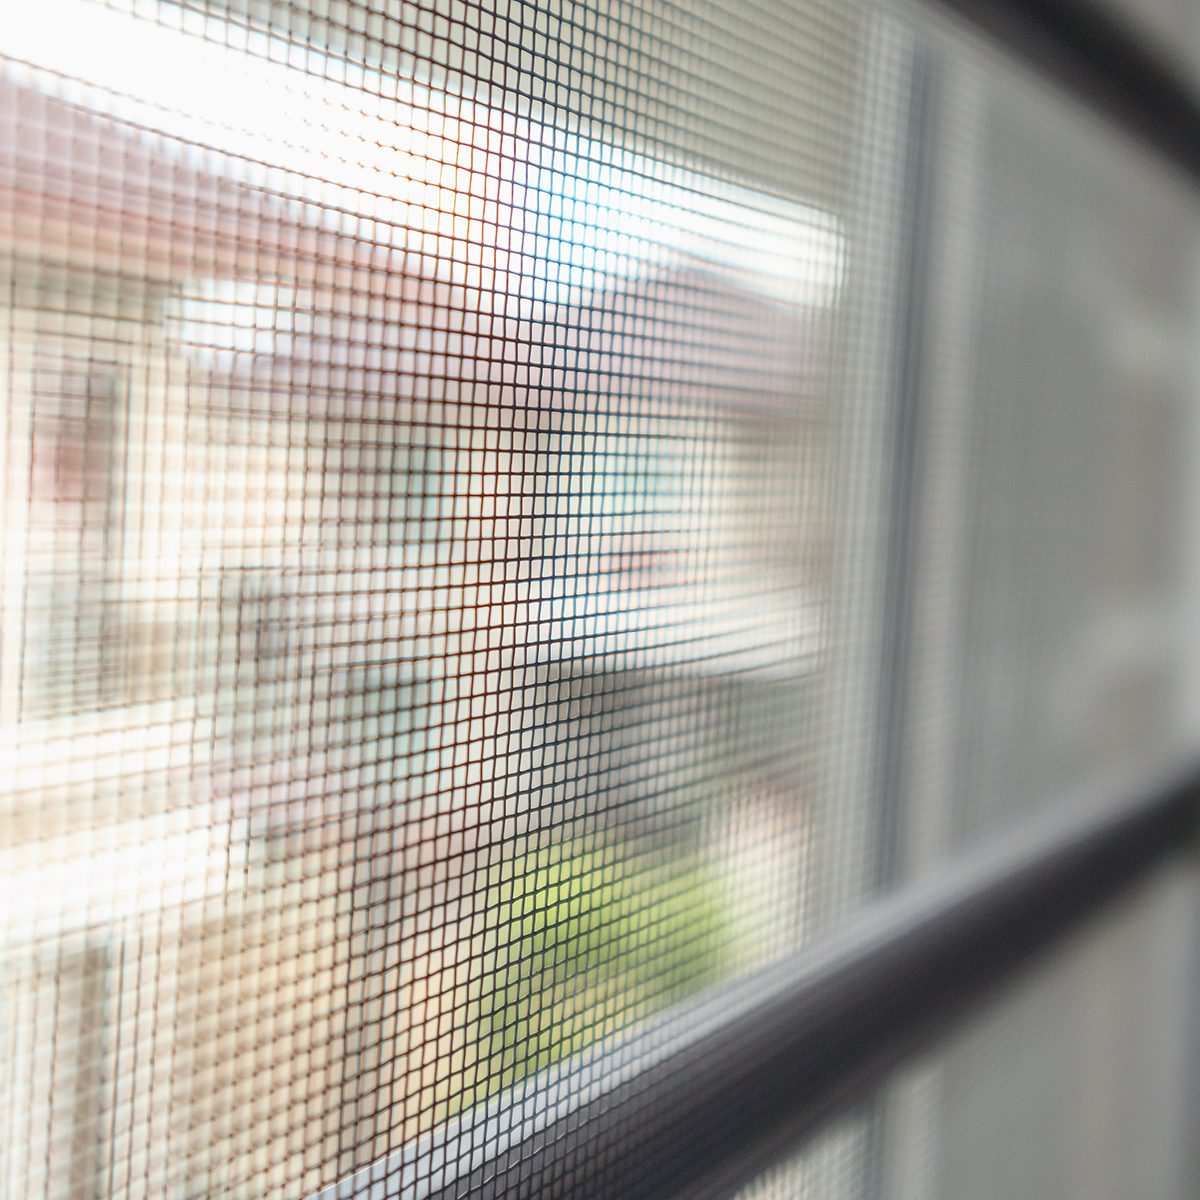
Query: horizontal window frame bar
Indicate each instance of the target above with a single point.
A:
(695, 1103)
(1104, 60)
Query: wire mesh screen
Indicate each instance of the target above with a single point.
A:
(425, 433)
(514, 518)
(832, 1163)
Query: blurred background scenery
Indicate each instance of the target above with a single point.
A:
(390, 629)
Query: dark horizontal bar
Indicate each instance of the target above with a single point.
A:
(695, 1103)
(1101, 57)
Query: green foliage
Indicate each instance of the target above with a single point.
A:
(579, 942)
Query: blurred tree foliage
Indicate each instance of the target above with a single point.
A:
(580, 941)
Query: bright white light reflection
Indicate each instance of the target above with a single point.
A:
(495, 201)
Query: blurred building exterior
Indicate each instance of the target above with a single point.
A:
(298, 547)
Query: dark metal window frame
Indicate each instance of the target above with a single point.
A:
(700, 1102)
(1096, 55)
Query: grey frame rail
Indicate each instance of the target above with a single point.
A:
(1091, 51)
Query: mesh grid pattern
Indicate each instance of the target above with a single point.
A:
(449, 619)
(831, 1164)
(422, 438)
